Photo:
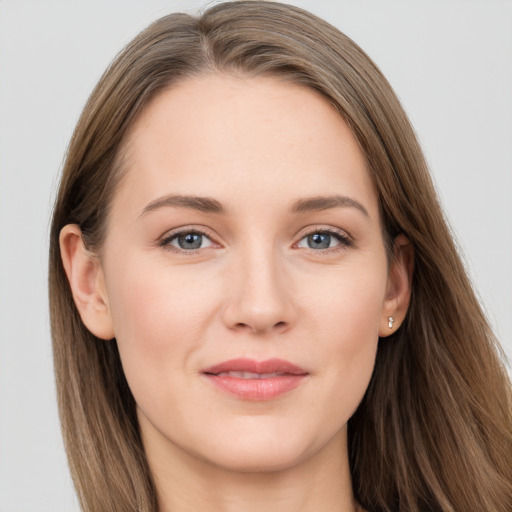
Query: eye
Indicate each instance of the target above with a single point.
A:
(321, 240)
(187, 241)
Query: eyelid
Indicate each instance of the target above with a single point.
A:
(324, 228)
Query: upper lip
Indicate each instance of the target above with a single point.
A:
(253, 366)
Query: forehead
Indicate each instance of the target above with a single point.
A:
(218, 134)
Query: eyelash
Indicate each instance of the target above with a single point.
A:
(344, 240)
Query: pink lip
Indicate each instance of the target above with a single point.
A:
(288, 377)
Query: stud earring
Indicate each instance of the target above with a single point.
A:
(390, 322)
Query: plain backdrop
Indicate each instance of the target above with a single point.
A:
(450, 62)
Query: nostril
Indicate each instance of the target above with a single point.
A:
(258, 314)
(242, 325)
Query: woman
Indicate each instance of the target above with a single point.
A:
(255, 299)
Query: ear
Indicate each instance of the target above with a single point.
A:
(398, 291)
(87, 282)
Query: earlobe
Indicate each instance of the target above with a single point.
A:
(398, 291)
(87, 283)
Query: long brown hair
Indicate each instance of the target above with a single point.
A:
(434, 430)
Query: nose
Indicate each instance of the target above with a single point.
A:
(260, 298)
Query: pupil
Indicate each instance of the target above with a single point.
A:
(190, 241)
(319, 241)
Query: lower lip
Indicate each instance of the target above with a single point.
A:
(256, 389)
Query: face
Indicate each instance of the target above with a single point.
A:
(245, 273)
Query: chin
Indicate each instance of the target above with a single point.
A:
(263, 462)
(264, 454)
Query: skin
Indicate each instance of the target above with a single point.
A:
(255, 288)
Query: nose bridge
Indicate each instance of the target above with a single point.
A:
(260, 300)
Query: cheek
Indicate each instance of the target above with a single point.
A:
(158, 317)
(153, 305)
(346, 317)
(347, 302)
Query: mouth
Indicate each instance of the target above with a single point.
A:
(248, 379)
(250, 375)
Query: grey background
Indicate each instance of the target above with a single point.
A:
(450, 62)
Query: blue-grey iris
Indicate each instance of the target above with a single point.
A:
(190, 241)
(319, 241)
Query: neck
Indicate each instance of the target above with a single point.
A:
(322, 482)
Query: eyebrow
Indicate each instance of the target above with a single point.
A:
(201, 204)
(210, 205)
(320, 203)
